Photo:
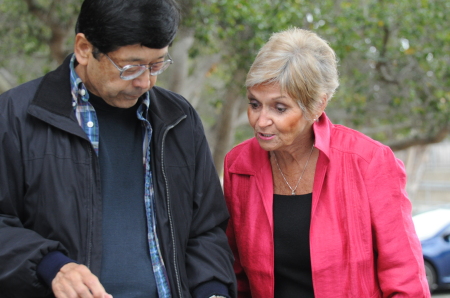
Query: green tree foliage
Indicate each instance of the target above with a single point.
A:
(394, 69)
(36, 35)
(394, 59)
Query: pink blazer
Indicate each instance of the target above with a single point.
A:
(362, 239)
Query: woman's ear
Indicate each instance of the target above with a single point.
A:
(322, 106)
(82, 48)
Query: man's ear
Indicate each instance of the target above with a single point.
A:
(82, 48)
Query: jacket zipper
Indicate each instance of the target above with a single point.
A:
(169, 212)
(91, 214)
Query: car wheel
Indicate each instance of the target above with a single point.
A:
(431, 276)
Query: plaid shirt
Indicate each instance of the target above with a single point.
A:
(87, 119)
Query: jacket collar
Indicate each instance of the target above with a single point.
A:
(165, 107)
(251, 159)
(52, 102)
(254, 161)
(53, 93)
(322, 133)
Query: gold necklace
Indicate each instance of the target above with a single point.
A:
(304, 168)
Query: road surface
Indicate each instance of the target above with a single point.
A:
(441, 294)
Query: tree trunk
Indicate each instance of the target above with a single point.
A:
(180, 55)
(57, 43)
(226, 125)
(180, 78)
(61, 29)
(5, 80)
(414, 159)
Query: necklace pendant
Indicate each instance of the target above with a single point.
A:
(300, 178)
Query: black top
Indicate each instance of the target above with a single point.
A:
(292, 220)
(127, 270)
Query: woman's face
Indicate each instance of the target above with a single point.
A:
(277, 119)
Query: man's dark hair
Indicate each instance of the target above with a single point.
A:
(111, 24)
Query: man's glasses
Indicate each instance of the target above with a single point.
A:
(130, 72)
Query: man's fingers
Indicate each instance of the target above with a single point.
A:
(77, 281)
(93, 284)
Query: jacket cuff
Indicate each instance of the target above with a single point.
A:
(210, 288)
(50, 266)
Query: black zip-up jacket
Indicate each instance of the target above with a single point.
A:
(50, 196)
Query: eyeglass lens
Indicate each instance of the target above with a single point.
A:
(133, 71)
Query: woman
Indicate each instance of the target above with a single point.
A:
(317, 209)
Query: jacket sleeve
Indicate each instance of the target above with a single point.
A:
(242, 279)
(208, 256)
(398, 252)
(21, 248)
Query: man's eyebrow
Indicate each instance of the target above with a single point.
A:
(137, 59)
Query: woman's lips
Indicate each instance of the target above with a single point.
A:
(265, 136)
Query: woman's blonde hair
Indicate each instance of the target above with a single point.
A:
(302, 63)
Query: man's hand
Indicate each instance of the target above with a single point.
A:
(77, 281)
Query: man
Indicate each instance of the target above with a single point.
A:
(107, 185)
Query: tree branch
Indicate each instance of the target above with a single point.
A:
(59, 30)
(37, 11)
(382, 66)
(432, 139)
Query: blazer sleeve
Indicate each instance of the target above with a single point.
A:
(399, 260)
(232, 204)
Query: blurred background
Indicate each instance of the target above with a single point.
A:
(394, 63)
(394, 59)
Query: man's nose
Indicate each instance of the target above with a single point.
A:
(142, 81)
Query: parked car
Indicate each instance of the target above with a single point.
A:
(433, 229)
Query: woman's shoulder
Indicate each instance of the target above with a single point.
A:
(348, 140)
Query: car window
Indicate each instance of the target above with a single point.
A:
(428, 224)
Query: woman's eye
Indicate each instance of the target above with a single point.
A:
(253, 105)
(281, 109)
